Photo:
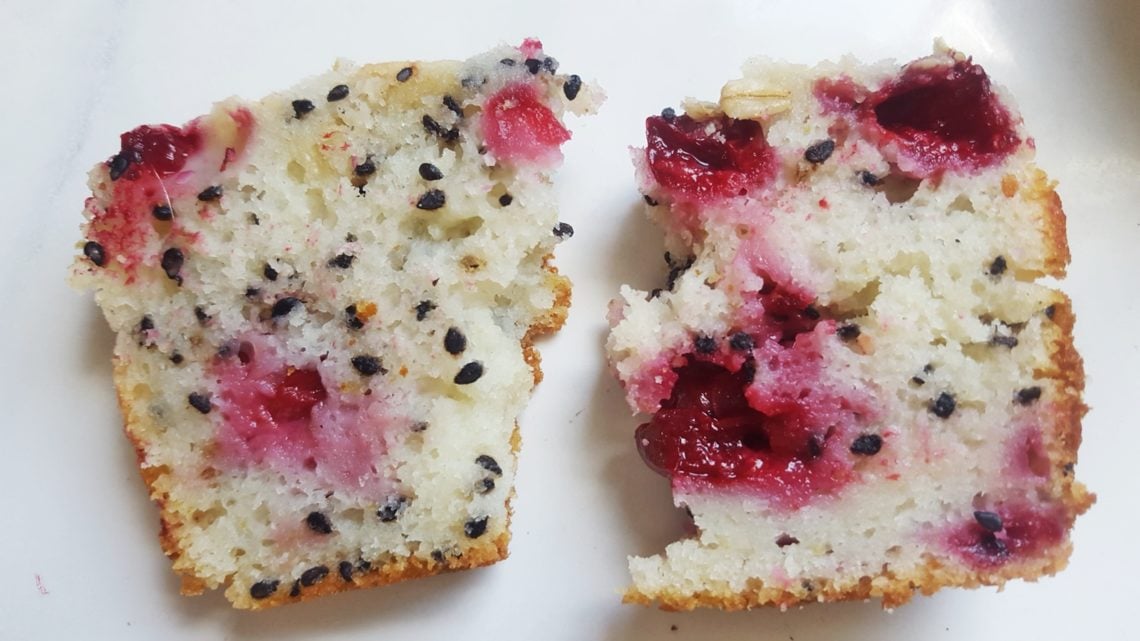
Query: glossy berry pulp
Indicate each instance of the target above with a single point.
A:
(708, 160)
(932, 117)
(765, 422)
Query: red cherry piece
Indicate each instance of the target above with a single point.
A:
(518, 127)
(708, 160)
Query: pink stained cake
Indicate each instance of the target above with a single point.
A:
(325, 302)
(855, 384)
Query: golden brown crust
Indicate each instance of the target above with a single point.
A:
(1053, 224)
(1062, 440)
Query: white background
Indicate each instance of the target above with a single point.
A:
(78, 554)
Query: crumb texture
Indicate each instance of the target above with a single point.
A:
(324, 303)
(856, 383)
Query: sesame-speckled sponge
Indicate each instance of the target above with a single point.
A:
(324, 303)
(856, 384)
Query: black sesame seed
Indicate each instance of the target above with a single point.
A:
(475, 527)
(404, 74)
(669, 114)
(339, 92)
(319, 523)
(748, 371)
(1028, 395)
(705, 344)
(989, 520)
(147, 323)
(784, 540)
(392, 509)
(353, 321)
(815, 446)
(94, 253)
(453, 106)
(454, 342)
(507, 62)
(649, 200)
(485, 486)
(252, 292)
(172, 260)
(819, 152)
(313, 575)
(1050, 310)
(533, 65)
(162, 212)
(368, 365)
(429, 171)
(345, 569)
(263, 589)
(848, 332)
(572, 86)
(469, 373)
(431, 200)
(741, 342)
(1004, 341)
(992, 545)
(867, 444)
(177, 358)
(489, 463)
(943, 406)
(213, 192)
(423, 308)
(269, 272)
(869, 179)
(506, 199)
(119, 164)
(296, 589)
(366, 168)
(918, 380)
(201, 315)
(200, 402)
(563, 230)
(434, 127)
(998, 266)
(341, 261)
(283, 306)
(302, 107)
(550, 64)
(928, 368)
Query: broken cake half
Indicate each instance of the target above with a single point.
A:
(324, 303)
(857, 385)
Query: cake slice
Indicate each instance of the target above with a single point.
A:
(325, 303)
(856, 384)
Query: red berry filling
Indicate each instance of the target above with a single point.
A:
(162, 149)
(764, 421)
(156, 165)
(1025, 531)
(708, 160)
(283, 416)
(933, 117)
(518, 127)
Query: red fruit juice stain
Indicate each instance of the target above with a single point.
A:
(1026, 531)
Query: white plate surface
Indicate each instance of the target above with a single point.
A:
(78, 554)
